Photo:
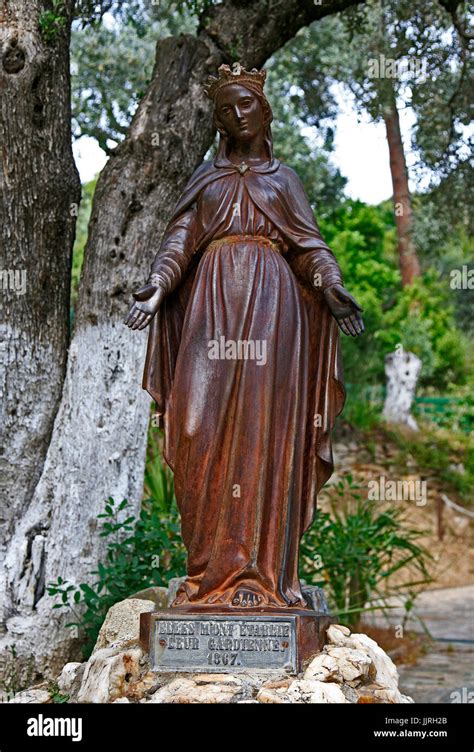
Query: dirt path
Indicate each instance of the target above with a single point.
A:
(444, 675)
(446, 672)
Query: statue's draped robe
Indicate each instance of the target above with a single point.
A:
(248, 438)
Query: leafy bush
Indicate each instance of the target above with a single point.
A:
(441, 449)
(363, 406)
(52, 22)
(422, 320)
(363, 240)
(354, 550)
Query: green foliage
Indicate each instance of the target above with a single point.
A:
(441, 450)
(418, 32)
(354, 550)
(363, 240)
(421, 317)
(454, 412)
(111, 66)
(158, 478)
(138, 13)
(17, 676)
(110, 71)
(82, 225)
(423, 322)
(308, 151)
(197, 7)
(339, 52)
(141, 553)
(56, 695)
(52, 21)
(443, 232)
(361, 410)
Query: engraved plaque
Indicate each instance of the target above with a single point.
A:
(213, 643)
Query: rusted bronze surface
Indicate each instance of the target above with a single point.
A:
(243, 361)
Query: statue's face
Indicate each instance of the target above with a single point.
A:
(239, 112)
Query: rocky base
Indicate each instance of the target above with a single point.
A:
(351, 668)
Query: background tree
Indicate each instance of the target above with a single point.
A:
(39, 199)
(112, 67)
(358, 49)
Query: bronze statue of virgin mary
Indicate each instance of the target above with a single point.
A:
(245, 299)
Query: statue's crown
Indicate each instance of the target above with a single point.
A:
(235, 75)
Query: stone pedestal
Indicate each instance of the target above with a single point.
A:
(216, 639)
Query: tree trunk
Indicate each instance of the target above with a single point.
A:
(98, 444)
(408, 259)
(39, 197)
(402, 370)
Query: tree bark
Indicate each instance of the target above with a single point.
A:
(98, 444)
(408, 259)
(402, 370)
(39, 197)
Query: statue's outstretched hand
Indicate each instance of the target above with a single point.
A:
(345, 310)
(147, 301)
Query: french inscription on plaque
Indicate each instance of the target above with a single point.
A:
(223, 643)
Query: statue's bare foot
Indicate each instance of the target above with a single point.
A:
(246, 599)
(181, 597)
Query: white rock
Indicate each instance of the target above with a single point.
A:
(70, 679)
(247, 702)
(322, 668)
(36, 696)
(350, 693)
(303, 691)
(188, 691)
(386, 674)
(217, 679)
(157, 594)
(275, 696)
(392, 696)
(337, 634)
(351, 665)
(342, 628)
(122, 623)
(108, 673)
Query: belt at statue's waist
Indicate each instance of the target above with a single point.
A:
(242, 238)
